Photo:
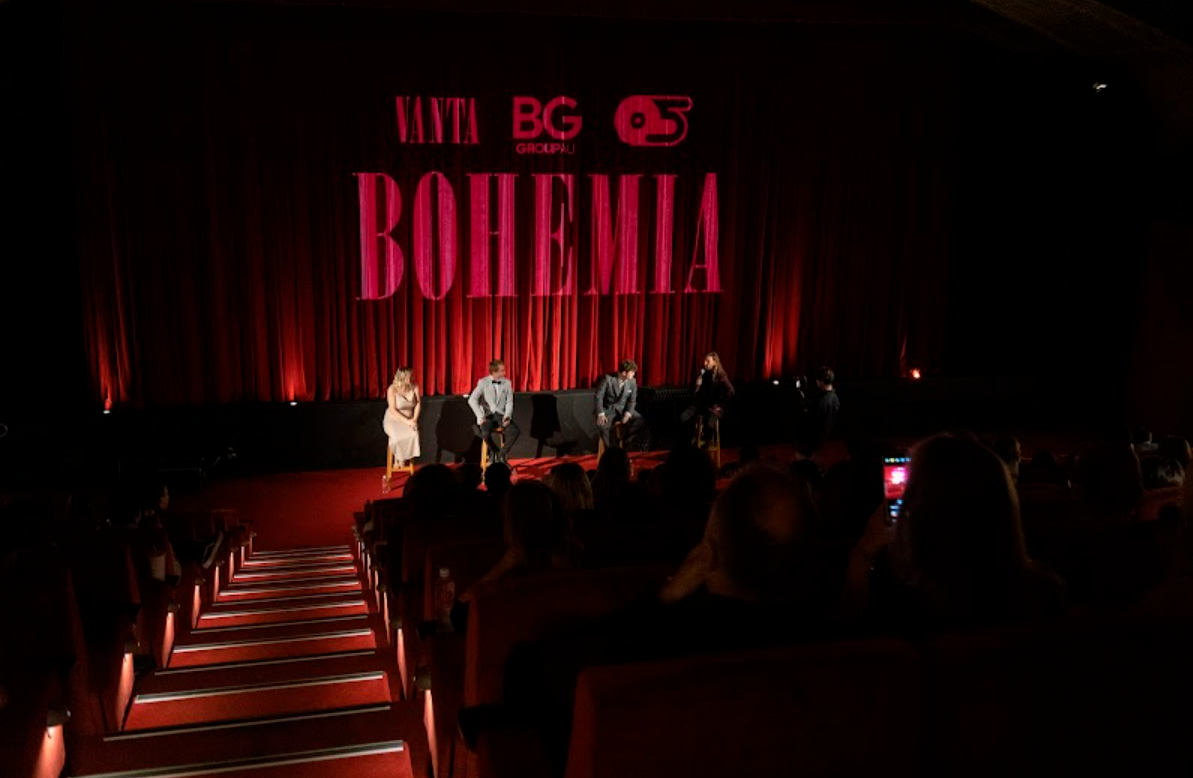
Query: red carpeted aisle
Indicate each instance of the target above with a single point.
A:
(287, 673)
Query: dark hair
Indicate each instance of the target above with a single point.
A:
(826, 375)
(470, 475)
(612, 478)
(535, 523)
(627, 365)
(1141, 435)
(1176, 447)
(809, 472)
(569, 481)
(764, 526)
(497, 479)
(689, 476)
(430, 490)
(960, 532)
(1160, 472)
(495, 365)
(1007, 449)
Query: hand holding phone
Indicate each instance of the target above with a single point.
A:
(894, 482)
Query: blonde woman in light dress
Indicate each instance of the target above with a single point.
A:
(401, 417)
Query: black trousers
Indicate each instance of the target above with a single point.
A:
(484, 431)
(630, 430)
(711, 420)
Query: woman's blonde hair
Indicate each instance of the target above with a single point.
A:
(402, 379)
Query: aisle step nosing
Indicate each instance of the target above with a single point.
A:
(256, 722)
(221, 691)
(249, 763)
(200, 631)
(190, 649)
(172, 671)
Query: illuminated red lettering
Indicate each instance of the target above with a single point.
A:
(370, 281)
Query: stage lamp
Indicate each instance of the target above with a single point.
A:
(107, 411)
(775, 382)
(294, 403)
(916, 374)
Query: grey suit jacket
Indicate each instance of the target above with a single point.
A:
(611, 400)
(489, 397)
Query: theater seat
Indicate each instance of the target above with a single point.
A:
(852, 708)
(1091, 697)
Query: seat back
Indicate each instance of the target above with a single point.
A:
(517, 609)
(468, 563)
(1098, 696)
(852, 708)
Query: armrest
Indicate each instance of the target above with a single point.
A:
(475, 719)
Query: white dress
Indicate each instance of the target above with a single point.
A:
(403, 440)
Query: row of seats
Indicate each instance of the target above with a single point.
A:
(83, 614)
(1090, 693)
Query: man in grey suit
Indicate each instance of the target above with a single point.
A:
(493, 403)
(616, 397)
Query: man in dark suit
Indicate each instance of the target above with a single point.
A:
(616, 398)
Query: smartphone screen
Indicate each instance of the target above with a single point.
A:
(894, 481)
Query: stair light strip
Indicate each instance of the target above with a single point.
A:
(356, 633)
(291, 609)
(220, 691)
(261, 663)
(379, 708)
(254, 762)
(277, 624)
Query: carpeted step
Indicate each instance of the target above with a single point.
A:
(299, 628)
(333, 740)
(184, 679)
(298, 553)
(250, 592)
(326, 641)
(281, 574)
(260, 698)
(293, 609)
(285, 563)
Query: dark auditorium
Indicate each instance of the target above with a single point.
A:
(578, 389)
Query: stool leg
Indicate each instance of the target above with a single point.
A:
(484, 455)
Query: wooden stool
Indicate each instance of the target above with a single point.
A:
(500, 433)
(714, 446)
(390, 469)
(618, 432)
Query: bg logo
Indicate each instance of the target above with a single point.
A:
(532, 119)
(653, 120)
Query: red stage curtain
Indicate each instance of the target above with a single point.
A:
(221, 154)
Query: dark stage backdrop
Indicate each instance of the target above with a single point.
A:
(288, 204)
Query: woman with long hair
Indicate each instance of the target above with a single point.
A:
(713, 390)
(403, 401)
(956, 557)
